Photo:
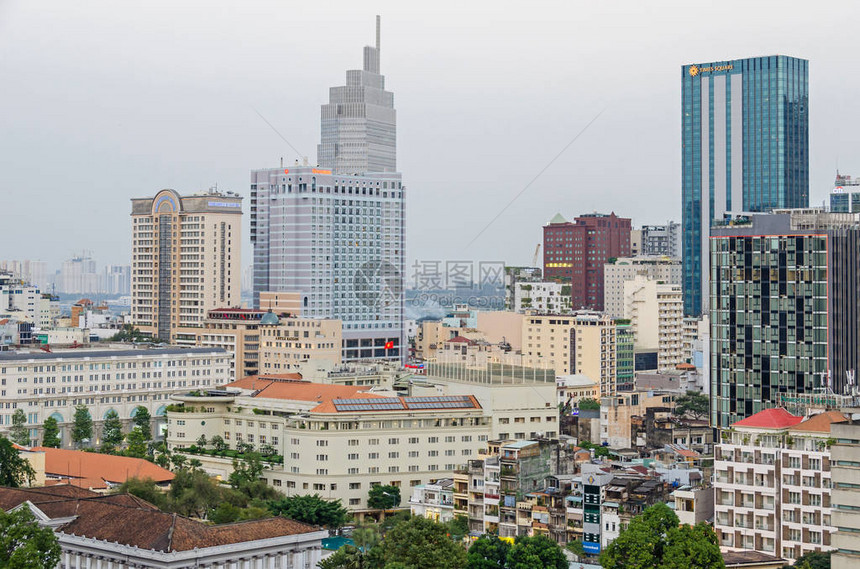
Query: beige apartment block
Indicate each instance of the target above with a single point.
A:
(845, 473)
(503, 329)
(186, 259)
(582, 343)
(625, 269)
(656, 314)
(233, 329)
(282, 302)
(288, 343)
(773, 484)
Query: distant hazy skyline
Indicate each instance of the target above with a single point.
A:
(105, 101)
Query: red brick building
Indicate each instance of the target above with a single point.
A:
(576, 252)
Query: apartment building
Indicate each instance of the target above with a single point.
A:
(52, 384)
(434, 501)
(544, 297)
(186, 259)
(773, 483)
(845, 496)
(236, 330)
(656, 314)
(623, 269)
(582, 343)
(288, 343)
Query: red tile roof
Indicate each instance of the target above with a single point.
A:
(821, 423)
(93, 470)
(460, 340)
(131, 521)
(777, 418)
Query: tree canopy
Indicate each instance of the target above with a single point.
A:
(24, 544)
(813, 560)
(536, 552)
(51, 433)
(654, 540)
(112, 435)
(693, 403)
(82, 427)
(15, 471)
(142, 420)
(420, 543)
(383, 497)
(488, 552)
(310, 509)
(19, 433)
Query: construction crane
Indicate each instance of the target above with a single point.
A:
(535, 258)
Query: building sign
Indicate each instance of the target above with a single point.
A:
(591, 547)
(224, 204)
(696, 70)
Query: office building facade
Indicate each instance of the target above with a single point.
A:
(744, 148)
(623, 269)
(339, 242)
(186, 259)
(657, 240)
(845, 197)
(359, 123)
(576, 252)
(784, 312)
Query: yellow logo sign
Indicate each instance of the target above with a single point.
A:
(696, 70)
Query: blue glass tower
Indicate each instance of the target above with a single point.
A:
(744, 148)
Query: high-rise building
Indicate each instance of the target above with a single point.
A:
(623, 269)
(576, 251)
(338, 241)
(359, 123)
(656, 314)
(29, 271)
(845, 197)
(657, 240)
(78, 276)
(784, 312)
(336, 234)
(744, 148)
(186, 259)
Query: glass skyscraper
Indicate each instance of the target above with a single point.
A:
(744, 148)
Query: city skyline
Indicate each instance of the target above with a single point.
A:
(468, 131)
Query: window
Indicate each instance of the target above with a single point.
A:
(373, 455)
(394, 455)
(433, 440)
(354, 501)
(355, 485)
(322, 457)
(432, 453)
(394, 441)
(373, 442)
(353, 442)
(353, 456)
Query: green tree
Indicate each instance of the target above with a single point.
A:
(538, 552)
(225, 513)
(24, 544)
(310, 509)
(813, 560)
(145, 489)
(15, 470)
(202, 442)
(218, 443)
(488, 552)
(693, 403)
(692, 547)
(136, 443)
(142, 420)
(654, 540)
(82, 425)
(459, 526)
(19, 433)
(588, 404)
(246, 470)
(420, 543)
(112, 435)
(178, 461)
(383, 497)
(51, 433)
(347, 557)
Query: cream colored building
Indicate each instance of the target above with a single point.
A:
(186, 259)
(656, 314)
(627, 268)
(499, 328)
(52, 384)
(845, 474)
(773, 484)
(582, 343)
(548, 297)
(339, 440)
(287, 343)
(236, 330)
(282, 302)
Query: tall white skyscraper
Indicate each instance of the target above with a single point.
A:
(359, 123)
(336, 234)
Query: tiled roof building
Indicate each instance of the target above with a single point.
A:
(122, 531)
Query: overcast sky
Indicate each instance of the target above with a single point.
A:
(104, 101)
